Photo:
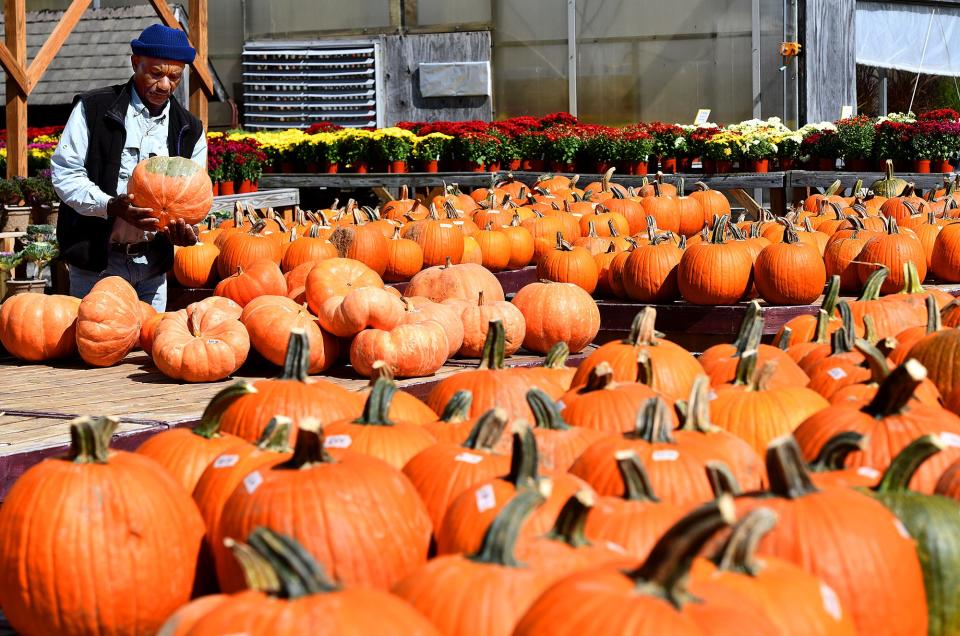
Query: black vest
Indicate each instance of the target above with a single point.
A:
(84, 240)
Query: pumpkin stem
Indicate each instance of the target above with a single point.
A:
(557, 356)
(376, 410)
(458, 407)
(722, 480)
(636, 481)
(523, 461)
(487, 430)
(257, 571)
(896, 390)
(897, 476)
(720, 230)
(875, 360)
(90, 439)
(871, 288)
(786, 472)
(653, 423)
(783, 340)
(493, 347)
(545, 412)
(297, 361)
(600, 377)
(746, 368)
(912, 283)
(644, 368)
(276, 435)
(697, 408)
(751, 329)
(664, 573)
(832, 295)
(642, 332)
(308, 449)
(833, 454)
(840, 342)
(833, 188)
(739, 552)
(209, 426)
(501, 537)
(292, 568)
(572, 520)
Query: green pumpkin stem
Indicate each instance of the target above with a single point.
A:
(739, 552)
(545, 412)
(911, 283)
(457, 409)
(308, 448)
(487, 430)
(297, 361)
(572, 520)
(291, 571)
(831, 296)
(833, 188)
(786, 472)
(599, 378)
(376, 410)
(751, 329)
(642, 332)
(896, 390)
(871, 288)
(209, 426)
(722, 480)
(720, 230)
(557, 356)
(783, 340)
(276, 435)
(636, 481)
(875, 360)
(501, 537)
(665, 571)
(90, 439)
(840, 342)
(746, 368)
(491, 358)
(934, 322)
(524, 458)
(696, 416)
(833, 454)
(653, 423)
(897, 476)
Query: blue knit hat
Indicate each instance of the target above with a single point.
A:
(164, 43)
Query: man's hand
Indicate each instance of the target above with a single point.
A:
(180, 233)
(141, 218)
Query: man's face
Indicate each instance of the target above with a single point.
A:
(156, 79)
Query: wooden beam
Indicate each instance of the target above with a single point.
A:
(199, 102)
(200, 70)
(13, 68)
(15, 32)
(54, 41)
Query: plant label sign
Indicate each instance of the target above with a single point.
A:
(703, 115)
(846, 111)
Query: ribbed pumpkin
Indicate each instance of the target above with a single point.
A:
(558, 443)
(404, 258)
(476, 317)
(713, 202)
(463, 281)
(37, 327)
(934, 523)
(196, 265)
(269, 321)
(364, 243)
(148, 329)
(486, 591)
(541, 303)
(890, 421)
(288, 592)
(360, 549)
(752, 410)
(376, 433)
(418, 309)
(454, 423)
(568, 264)
(650, 271)
(337, 277)
(442, 471)
(292, 394)
(361, 308)
(798, 603)
(258, 278)
(837, 534)
(521, 243)
(674, 368)
(892, 250)
(306, 249)
(108, 322)
(242, 248)
(111, 505)
(938, 352)
(200, 344)
(692, 218)
(664, 209)
(404, 206)
(715, 272)
(440, 240)
(789, 272)
(173, 187)
(945, 256)
(410, 349)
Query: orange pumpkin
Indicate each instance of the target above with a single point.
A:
(542, 303)
(410, 350)
(173, 187)
(200, 344)
(37, 327)
(374, 307)
(568, 264)
(196, 265)
(242, 248)
(440, 240)
(269, 321)
(715, 272)
(108, 322)
(404, 258)
(256, 279)
(475, 318)
(462, 281)
(306, 249)
(337, 277)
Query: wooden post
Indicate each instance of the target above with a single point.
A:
(15, 31)
(198, 36)
(828, 65)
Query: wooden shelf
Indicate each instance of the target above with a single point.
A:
(262, 199)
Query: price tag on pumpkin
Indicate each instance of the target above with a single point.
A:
(469, 458)
(486, 500)
(665, 455)
(846, 111)
(338, 441)
(703, 115)
(831, 602)
(837, 373)
(252, 481)
(226, 461)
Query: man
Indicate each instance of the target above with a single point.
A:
(101, 230)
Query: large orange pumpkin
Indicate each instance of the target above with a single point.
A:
(196, 265)
(37, 327)
(108, 322)
(269, 321)
(200, 344)
(122, 515)
(542, 303)
(173, 187)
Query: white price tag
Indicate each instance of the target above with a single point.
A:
(703, 116)
(226, 461)
(337, 441)
(469, 458)
(950, 439)
(485, 498)
(837, 373)
(831, 602)
(665, 455)
(712, 395)
(252, 481)
(869, 473)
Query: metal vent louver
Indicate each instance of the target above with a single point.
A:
(292, 84)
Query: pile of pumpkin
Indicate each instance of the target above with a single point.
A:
(805, 488)
(343, 305)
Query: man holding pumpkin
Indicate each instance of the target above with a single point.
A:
(101, 230)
